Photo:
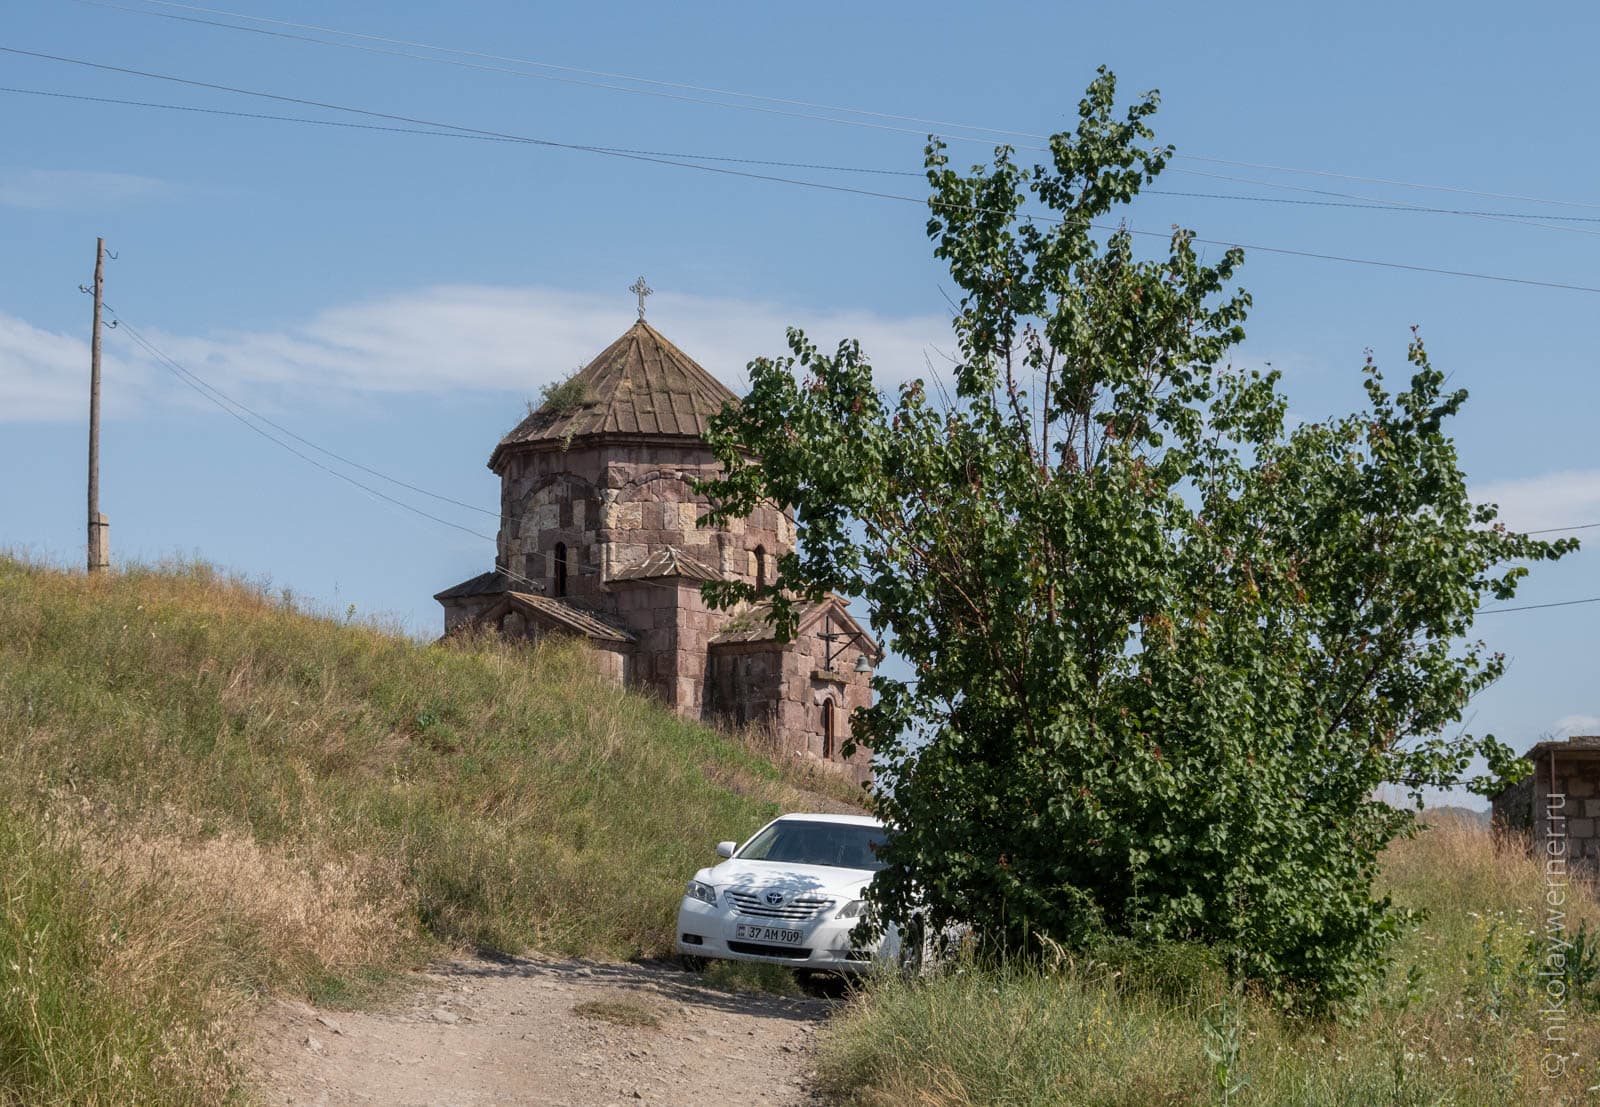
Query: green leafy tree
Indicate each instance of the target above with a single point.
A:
(1167, 650)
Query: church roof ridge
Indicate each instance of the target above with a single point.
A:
(640, 385)
(668, 562)
(753, 623)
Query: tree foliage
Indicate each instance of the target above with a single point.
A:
(1167, 648)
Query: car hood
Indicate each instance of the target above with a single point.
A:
(789, 878)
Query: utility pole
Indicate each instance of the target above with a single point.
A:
(99, 529)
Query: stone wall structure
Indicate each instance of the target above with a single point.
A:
(599, 538)
(1556, 808)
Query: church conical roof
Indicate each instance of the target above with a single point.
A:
(640, 385)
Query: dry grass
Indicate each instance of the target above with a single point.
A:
(746, 977)
(308, 915)
(1456, 1022)
(228, 797)
(621, 1011)
(108, 994)
(827, 790)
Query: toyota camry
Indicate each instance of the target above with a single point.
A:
(788, 896)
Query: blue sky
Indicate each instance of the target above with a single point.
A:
(398, 297)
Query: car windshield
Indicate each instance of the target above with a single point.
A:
(812, 842)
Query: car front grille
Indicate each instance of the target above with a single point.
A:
(796, 910)
(761, 949)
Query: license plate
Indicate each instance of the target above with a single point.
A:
(753, 933)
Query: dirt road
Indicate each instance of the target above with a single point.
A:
(514, 1032)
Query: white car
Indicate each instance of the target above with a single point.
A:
(790, 896)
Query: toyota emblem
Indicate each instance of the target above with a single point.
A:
(774, 899)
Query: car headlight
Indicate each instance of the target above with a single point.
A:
(852, 910)
(705, 893)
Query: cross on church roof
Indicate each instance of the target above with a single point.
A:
(641, 290)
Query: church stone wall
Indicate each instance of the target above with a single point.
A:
(810, 684)
(550, 498)
(673, 627)
(462, 610)
(649, 609)
(614, 664)
(783, 686)
(612, 506)
(744, 683)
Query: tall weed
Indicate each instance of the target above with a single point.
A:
(1458, 1020)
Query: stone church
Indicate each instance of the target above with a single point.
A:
(598, 540)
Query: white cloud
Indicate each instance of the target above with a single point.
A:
(1569, 725)
(452, 338)
(1558, 499)
(40, 372)
(45, 375)
(74, 189)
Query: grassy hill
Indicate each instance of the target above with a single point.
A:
(207, 795)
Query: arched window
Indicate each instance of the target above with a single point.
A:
(827, 729)
(761, 566)
(560, 588)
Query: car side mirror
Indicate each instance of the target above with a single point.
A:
(725, 849)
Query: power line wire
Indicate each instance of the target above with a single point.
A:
(1395, 183)
(494, 68)
(1398, 204)
(789, 102)
(610, 151)
(1372, 205)
(234, 408)
(454, 133)
(307, 442)
(923, 121)
(238, 410)
(1555, 530)
(544, 76)
(817, 185)
(1535, 606)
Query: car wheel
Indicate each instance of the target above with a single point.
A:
(690, 962)
(823, 984)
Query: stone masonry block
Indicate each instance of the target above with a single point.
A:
(687, 698)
